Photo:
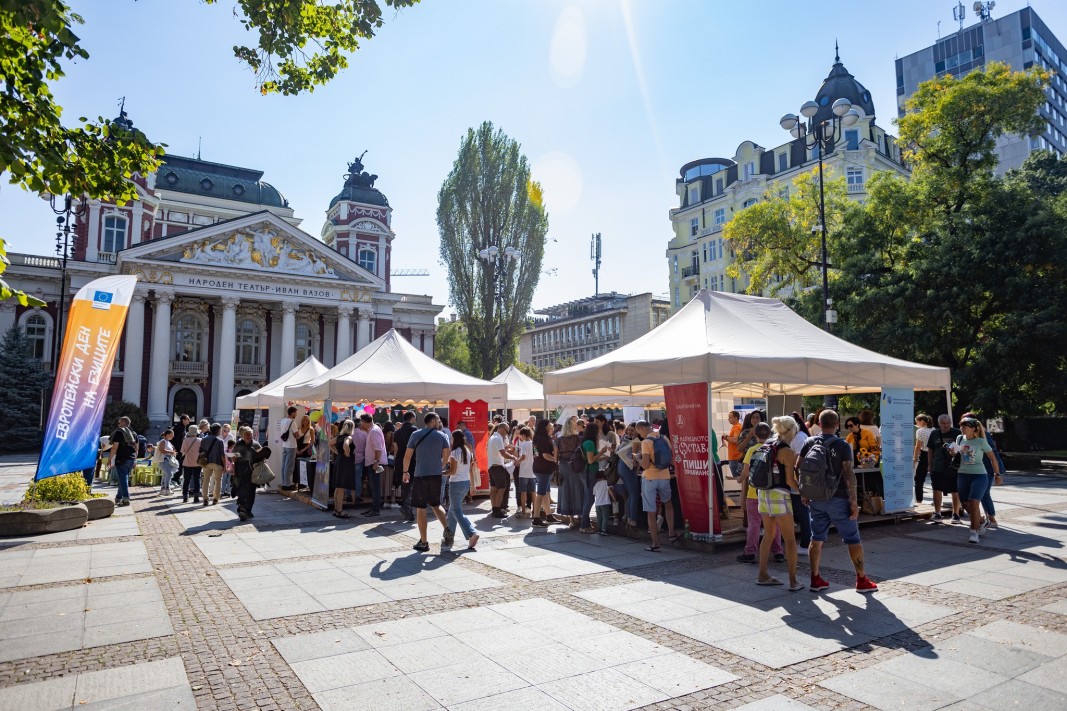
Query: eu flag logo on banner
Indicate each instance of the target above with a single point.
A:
(102, 300)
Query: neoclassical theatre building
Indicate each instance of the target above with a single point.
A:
(232, 293)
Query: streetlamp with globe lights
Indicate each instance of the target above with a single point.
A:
(66, 227)
(497, 260)
(821, 134)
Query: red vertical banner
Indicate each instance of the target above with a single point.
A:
(474, 414)
(687, 416)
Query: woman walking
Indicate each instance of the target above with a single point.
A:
(972, 480)
(191, 466)
(460, 465)
(775, 505)
(571, 488)
(166, 460)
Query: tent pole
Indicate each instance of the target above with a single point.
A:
(948, 401)
(712, 477)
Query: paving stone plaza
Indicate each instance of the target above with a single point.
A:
(174, 606)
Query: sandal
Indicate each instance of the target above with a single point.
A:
(675, 538)
(769, 581)
(652, 549)
(341, 514)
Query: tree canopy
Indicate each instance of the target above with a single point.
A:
(490, 201)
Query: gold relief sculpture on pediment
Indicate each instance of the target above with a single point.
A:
(357, 294)
(259, 248)
(153, 276)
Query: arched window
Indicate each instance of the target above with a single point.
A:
(305, 342)
(248, 341)
(114, 234)
(189, 339)
(748, 203)
(186, 403)
(37, 335)
(368, 259)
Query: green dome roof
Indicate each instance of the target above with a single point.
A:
(226, 182)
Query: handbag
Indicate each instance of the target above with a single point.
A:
(262, 474)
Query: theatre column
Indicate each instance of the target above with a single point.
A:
(133, 358)
(288, 354)
(344, 331)
(223, 375)
(363, 330)
(159, 368)
(427, 342)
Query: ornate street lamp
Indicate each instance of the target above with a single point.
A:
(822, 135)
(497, 262)
(66, 227)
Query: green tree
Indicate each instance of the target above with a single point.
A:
(776, 242)
(450, 346)
(490, 201)
(120, 408)
(22, 394)
(959, 267)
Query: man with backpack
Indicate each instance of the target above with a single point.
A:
(827, 486)
(656, 481)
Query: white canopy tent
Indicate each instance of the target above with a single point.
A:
(273, 394)
(391, 370)
(523, 392)
(747, 345)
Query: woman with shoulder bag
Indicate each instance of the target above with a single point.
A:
(571, 488)
(345, 473)
(458, 476)
(305, 447)
(191, 464)
(544, 463)
(165, 460)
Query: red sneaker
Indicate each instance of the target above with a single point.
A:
(817, 583)
(865, 585)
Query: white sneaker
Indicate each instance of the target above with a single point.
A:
(974, 537)
(802, 551)
(983, 527)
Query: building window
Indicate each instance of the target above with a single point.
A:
(189, 339)
(704, 249)
(720, 248)
(37, 335)
(305, 342)
(248, 341)
(720, 216)
(852, 140)
(694, 227)
(694, 195)
(815, 152)
(748, 203)
(676, 264)
(854, 176)
(733, 285)
(368, 259)
(114, 234)
(783, 161)
(718, 186)
(677, 296)
(750, 170)
(616, 325)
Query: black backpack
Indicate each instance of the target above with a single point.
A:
(763, 467)
(818, 477)
(579, 462)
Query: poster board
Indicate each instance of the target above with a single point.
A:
(475, 415)
(897, 410)
(687, 413)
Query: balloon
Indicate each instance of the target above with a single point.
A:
(369, 409)
(315, 415)
(335, 416)
(334, 408)
(356, 413)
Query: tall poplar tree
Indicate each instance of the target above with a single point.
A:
(489, 200)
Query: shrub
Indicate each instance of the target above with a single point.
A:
(114, 410)
(66, 487)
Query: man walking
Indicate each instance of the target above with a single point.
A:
(401, 438)
(288, 442)
(374, 461)
(939, 463)
(430, 445)
(842, 510)
(122, 457)
(213, 448)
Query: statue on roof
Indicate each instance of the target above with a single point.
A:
(356, 176)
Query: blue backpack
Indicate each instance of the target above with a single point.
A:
(661, 452)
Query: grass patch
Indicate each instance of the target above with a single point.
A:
(30, 506)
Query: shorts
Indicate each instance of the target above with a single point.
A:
(525, 485)
(425, 491)
(945, 482)
(972, 487)
(836, 511)
(650, 488)
(499, 477)
(774, 502)
(544, 483)
(735, 468)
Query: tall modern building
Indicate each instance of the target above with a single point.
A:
(1020, 40)
(712, 190)
(587, 328)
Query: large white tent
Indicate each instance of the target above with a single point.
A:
(391, 370)
(523, 393)
(273, 394)
(747, 345)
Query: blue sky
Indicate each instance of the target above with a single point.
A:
(607, 97)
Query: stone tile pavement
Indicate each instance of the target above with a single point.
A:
(186, 607)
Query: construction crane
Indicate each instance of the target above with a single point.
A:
(409, 272)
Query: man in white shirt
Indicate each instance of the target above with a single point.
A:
(288, 425)
(499, 479)
(374, 460)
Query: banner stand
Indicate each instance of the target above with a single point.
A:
(320, 493)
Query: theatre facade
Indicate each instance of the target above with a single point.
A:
(231, 292)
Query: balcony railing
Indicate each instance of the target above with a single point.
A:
(860, 188)
(691, 271)
(188, 369)
(106, 257)
(250, 372)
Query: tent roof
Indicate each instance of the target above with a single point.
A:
(743, 344)
(391, 370)
(273, 394)
(523, 393)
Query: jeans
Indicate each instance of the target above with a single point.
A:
(89, 473)
(632, 482)
(589, 481)
(288, 464)
(227, 486)
(987, 498)
(375, 488)
(191, 482)
(246, 490)
(457, 491)
(122, 471)
(920, 477)
(803, 519)
(603, 513)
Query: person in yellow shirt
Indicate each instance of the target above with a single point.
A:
(734, 455)
(752, 514)
(654, 483)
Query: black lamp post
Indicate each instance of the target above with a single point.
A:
(497, 262)
(821, 134)
(66, 225)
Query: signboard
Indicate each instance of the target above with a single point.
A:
(474, 414)
(258, 287)
(687, 415)
(898, 443)
(94, 328)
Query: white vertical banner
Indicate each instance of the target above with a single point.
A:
(898, 442)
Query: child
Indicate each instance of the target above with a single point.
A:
(527, 480)
(602, 498)
(227, 469)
